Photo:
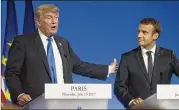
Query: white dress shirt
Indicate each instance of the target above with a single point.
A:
(57, 56)
(145, 57)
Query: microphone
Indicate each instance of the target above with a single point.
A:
(161, 77)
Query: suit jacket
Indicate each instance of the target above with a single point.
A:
(132, 80)
(27, 68)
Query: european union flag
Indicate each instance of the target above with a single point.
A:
(29, 25)
(11, 31)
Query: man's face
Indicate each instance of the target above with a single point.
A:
(48, 23)
(146, 36)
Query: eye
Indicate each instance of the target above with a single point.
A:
(144, 32)
(48, 17)
(138, 32)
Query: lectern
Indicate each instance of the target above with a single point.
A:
(167, 98)
(72, 96)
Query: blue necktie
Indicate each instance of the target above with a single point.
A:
(51, 60)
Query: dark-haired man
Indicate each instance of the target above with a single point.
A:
(142, 68)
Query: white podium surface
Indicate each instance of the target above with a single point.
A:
(154, 103)
(73, 96)
(167, 97)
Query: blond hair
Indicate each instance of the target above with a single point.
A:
(46, 8)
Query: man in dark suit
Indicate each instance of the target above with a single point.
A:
(142, 68)
(43, 57)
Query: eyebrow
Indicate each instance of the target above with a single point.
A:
(142, 31)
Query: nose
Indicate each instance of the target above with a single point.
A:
(54, 20)
(140, 34)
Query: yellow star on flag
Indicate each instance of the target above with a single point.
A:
(3, 77)
(7, 94)
(4, 60)
(10, 43)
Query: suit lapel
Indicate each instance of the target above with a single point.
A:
(141, 63)
(41, 52)
(156, 61)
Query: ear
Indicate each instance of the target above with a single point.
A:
(37, 22)
(155, 36)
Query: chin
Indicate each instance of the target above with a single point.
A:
(53, 33)
(140, 44)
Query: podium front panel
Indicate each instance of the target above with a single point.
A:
(42, 103)
(153, 103)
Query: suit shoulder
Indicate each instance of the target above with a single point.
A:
(130, 52)
(61, 38)
(166, 50)
(24, 37)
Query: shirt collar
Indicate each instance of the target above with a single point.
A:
(43, 37)
(145, 50)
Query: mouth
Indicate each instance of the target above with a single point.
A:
(53, 27)
(140, 40)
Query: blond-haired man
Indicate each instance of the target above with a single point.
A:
(43, 57)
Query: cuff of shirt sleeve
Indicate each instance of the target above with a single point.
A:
(109, 70)
(20, 95)
(131, 101)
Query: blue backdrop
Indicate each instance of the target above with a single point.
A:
(101, 31)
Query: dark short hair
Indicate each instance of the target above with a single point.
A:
(154, 23)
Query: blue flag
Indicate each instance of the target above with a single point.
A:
(11, 31)
(29, 24)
